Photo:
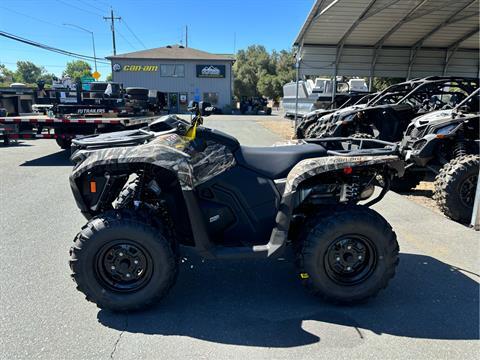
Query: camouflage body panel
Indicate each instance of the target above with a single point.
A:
(171, 152)
(315, 166)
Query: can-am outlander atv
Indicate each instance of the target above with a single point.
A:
(445, 143)
(147, 191)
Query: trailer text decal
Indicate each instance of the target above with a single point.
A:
(140, 68)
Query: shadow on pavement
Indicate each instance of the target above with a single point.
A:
(262, 304)
(13, 144)
(60, 158)
(424, 193)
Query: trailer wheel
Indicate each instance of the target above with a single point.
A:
(6, 140)
(64, 143)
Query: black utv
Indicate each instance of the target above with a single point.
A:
(388, 114)
(147, 193)
(308, 121)
(445, 143)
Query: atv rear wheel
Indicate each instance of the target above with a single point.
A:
(121, 263)
(407, 182)
(348, 256)
(455, 187)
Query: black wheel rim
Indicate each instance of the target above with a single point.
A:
(124, 266)
(467, 190)
(350, 259)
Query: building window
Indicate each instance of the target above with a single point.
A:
(211, 97)
(172, 70)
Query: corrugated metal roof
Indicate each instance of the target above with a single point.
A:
(173, 52)
(407, 20)
(431, 37)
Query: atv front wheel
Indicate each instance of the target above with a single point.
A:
(455, 187)
(348, 256)
(121, 263)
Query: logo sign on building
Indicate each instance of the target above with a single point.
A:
(135, 68)
(211, 71)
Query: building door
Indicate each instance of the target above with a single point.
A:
(183, 102)
(173, 102)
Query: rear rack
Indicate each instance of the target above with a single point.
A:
(114, 139)
(348, 146)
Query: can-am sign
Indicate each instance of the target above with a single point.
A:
(211, 71)
(135, 68)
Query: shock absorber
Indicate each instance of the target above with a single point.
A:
(351, 192)
(459, 148)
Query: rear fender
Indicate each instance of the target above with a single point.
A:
(309, 168)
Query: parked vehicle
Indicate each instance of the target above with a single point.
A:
(255, 106)
(309, 119)
(387, 115)
(145, 192)
(445, 143)
(313, 95)
(64, 113)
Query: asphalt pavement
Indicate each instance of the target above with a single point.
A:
(224, 309)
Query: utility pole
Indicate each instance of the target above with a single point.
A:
(186, 36)
(234, 43)
(112, 27)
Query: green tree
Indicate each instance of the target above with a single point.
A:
(47, 78)
(7, 76)
(27, 72)
(381, 83)
(270, 86)
(109, 77)
(77, 68)
(258, 73)
(250, 65)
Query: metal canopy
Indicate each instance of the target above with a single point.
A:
(391, 38)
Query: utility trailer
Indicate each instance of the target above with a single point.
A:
(64, 129)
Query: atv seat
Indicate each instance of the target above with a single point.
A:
(275, 162)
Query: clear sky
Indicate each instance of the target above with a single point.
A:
(212, 26)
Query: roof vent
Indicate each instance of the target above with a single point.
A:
(169, 46)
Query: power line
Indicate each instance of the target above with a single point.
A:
(91, 5)
(134, 35)
(79, 8)
(49, 48)
(126, 40)
(31, 17)
(48, 65)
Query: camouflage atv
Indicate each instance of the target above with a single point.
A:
(146, 192)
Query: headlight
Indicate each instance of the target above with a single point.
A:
(445, 130)
(346, 119)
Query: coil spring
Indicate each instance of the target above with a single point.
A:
(459, 149)
(353, 190)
